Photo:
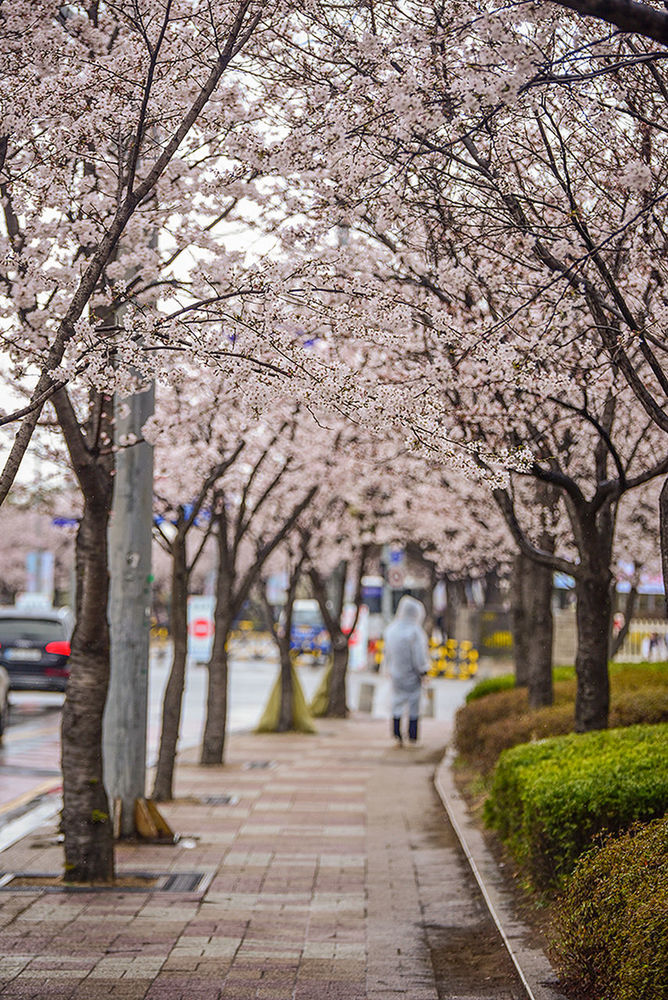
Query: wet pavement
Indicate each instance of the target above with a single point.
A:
(330, 872)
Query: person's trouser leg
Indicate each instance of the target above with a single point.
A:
(413, 715)
(398, 702)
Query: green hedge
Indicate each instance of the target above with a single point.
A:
(504, 682)
(551, 799)
(490, 685)
(500, 720)
(612, 922)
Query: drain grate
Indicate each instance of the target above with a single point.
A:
(219, 800)
(190, 882)
(258, 765)
(185, 882)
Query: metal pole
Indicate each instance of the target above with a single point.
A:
(125, 718)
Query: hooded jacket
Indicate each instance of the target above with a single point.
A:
(406, 648)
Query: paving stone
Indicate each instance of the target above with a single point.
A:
(326, 886)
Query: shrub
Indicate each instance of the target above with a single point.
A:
(500, 720)
(490, 685)
(612, 922)
(508, 731)
(550, 800)
(632, 707)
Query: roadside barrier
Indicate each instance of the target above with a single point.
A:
(457, 660)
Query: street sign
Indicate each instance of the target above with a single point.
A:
(200, 627)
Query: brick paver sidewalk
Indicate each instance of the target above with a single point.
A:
(333, 877)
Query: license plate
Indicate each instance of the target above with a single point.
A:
(23, 655)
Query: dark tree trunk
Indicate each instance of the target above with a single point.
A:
(429, 618)
(338, 708)
(286, 713)
(663, 522)
(86, 821)
(522, 569)
(215, 730)
(336, 704)
(454, 594)
(594, 608)
(492, 589)
(540, 631)
(173, 699)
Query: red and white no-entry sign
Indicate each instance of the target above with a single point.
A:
(201, 628)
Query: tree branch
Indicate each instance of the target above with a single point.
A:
(627, 15)
(507, 508)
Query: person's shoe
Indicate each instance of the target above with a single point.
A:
(414, 744)
(398, 743)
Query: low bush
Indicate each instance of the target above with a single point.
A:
(527, 727)
(612, 921)
(491, 724)
(502, 719)
(551, 799)
(490, 685)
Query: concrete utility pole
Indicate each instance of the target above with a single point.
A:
(125, 718)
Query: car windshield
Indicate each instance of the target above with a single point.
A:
(40, 630)
(306, 617)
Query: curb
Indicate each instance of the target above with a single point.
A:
(532, 965)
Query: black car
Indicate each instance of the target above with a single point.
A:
(35, 648)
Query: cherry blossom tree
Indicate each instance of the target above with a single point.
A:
(114, 115)
(193, 457)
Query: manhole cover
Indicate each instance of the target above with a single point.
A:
(125, 882)
(219, 800)
(258, 765)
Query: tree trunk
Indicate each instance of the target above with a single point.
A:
(337, 707)
(453, 591)
(86, 822)
(663, 523)
(286, 714)
(540, 631)
(173, 700)
(522, 568)
(215, 729)
(593, 611)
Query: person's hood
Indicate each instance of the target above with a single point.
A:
(410, 611)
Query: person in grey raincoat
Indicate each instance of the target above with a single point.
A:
(407, 661)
